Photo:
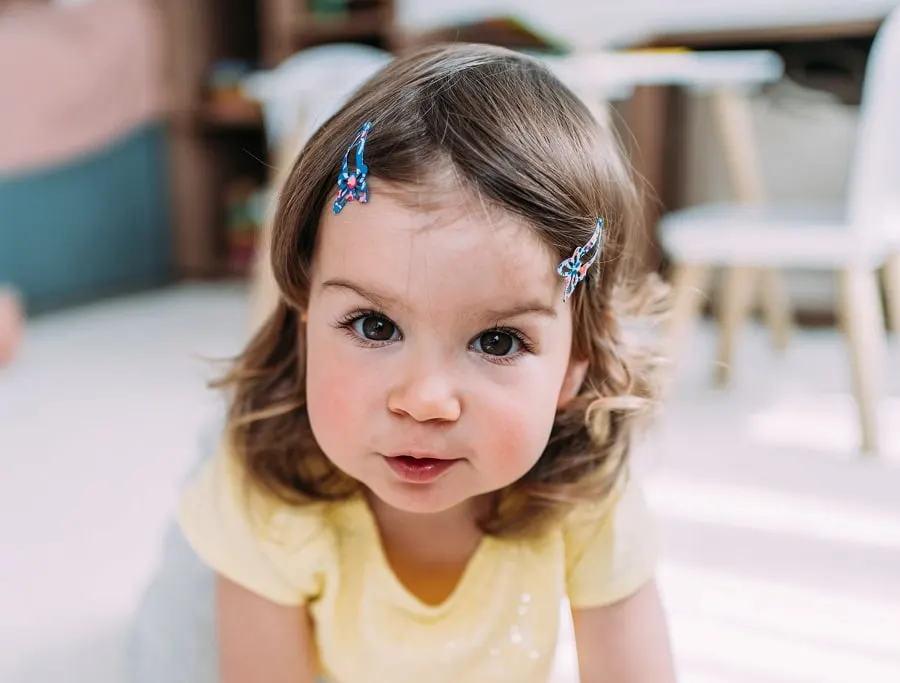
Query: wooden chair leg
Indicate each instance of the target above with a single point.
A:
(863, 322)
(892, 292)
(737, 296)
(776, 307)
(688, 289)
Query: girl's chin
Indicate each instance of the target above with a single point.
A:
(419, 501)
(422, 499)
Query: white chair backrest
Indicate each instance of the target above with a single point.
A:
(874, 191)
(310, 86)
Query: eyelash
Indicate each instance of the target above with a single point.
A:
(347, 322)
(526, 345)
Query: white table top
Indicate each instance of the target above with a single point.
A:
(614, 75)
(599, 24)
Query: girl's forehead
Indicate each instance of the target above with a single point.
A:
(407, 244)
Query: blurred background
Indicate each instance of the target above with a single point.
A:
(138, 143)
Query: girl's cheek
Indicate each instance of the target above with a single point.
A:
(338, 378)
(518, 441)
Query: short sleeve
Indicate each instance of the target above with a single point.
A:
(278, 556)
(611, 550)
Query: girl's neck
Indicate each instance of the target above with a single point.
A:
(442, 536)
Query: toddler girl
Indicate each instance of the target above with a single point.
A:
(427, 447)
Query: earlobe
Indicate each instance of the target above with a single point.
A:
(304, 317)
(572, 382)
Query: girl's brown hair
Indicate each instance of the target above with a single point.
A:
(517, 139)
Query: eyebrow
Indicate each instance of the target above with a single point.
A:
(385, 302)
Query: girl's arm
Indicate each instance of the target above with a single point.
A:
(260, 640)
(627, 642)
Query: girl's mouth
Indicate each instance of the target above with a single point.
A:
(418, 470)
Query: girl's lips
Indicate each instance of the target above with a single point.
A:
(418, 470)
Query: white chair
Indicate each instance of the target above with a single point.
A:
(297, 97)
(854, 239)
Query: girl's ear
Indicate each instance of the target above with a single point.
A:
(304, 317)
(572, 381)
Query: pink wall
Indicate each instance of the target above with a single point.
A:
(75, 78)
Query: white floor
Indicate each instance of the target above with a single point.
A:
(782, 559)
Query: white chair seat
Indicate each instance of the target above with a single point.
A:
(794, 235)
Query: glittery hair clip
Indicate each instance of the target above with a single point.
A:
(575, 268)
(352, 185)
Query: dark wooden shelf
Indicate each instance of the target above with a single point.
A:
(215, 140)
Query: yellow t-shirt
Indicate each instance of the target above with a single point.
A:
(500, 623)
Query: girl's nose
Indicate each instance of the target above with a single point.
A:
(425, 396)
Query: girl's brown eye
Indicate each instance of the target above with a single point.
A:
(496, 343)
(375, 328)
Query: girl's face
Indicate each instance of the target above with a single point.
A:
(438, 349)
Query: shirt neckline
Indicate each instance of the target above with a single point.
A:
(408, 598)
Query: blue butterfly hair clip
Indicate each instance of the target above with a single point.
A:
(352, 185)
(575, 268)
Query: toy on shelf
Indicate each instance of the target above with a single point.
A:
(225, 99)
(245, 203)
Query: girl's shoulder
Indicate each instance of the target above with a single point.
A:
(611, 546)
(278, 550)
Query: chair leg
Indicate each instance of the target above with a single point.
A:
(776, 307)
(737, 296)
(860, 310)
(688, 290)
(892, 292)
